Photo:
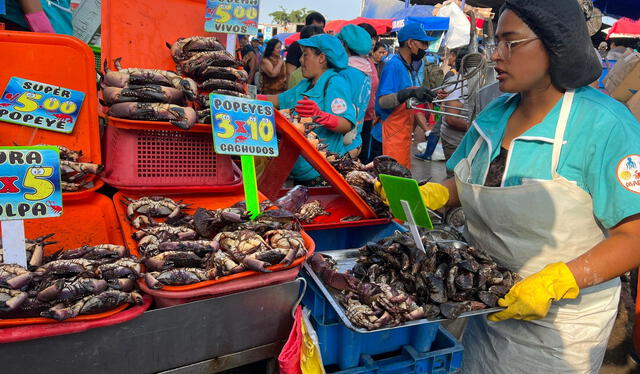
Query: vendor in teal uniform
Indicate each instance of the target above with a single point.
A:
(323, 95)
(357, 43)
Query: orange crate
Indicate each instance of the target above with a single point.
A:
(293, 144)
(87, 221)
(203, 201)
(58, 60)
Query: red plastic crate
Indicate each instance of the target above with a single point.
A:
(63, 61)
(86, 221)
(165, 160)
(244, 280)
(163, 299)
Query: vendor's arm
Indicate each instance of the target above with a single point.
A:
(616, 255)
(35, 16)
(456, 123)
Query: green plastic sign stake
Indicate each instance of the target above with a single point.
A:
(406, 204)
(250, 185)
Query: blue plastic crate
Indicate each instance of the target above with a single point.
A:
(352, 237)
(418, 349)
(343, 347)
(317, 303)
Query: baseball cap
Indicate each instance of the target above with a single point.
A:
(356, 38)
(330, 46)
(414, 31)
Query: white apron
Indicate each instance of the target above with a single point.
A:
(525, 228)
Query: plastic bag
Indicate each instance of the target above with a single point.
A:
(459, 26)
(438, 153)
(310, 359)
(289, 358)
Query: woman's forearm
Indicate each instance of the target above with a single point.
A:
(454, 200)
(614, 256)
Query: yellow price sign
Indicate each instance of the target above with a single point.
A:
(243, 126)
(232, 16)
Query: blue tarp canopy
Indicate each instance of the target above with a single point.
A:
(419, 14)
(619, 8)
(283, 35)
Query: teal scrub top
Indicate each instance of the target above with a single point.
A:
(360, 87)
(332, 95)
(58, 12)
(601, 151)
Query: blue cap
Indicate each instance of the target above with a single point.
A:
(356, 38)
(260, 35)
(414, 31)
(330, 46)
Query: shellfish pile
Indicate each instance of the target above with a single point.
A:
(394, 282)
(210, 244)
(205, 60)
(73, 172)
(86, 280)
(148, 95)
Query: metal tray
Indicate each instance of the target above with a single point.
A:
(346, 259)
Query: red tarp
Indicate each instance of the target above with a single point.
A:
(625, 28)
(382, 26)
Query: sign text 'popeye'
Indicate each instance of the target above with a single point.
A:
(29, 183)
(243, 126)
(40, 105)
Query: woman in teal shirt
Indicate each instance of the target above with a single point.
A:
(52, 16)
(549, 180)
(323, 95)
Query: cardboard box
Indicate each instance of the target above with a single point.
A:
(623, 81)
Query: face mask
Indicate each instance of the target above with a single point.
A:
(418, 56)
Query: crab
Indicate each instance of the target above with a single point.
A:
(288, 241)
(241, 243)
(169, 259)
(221, 264)
(362, 179)
(175, 277)
(14, 276)
(127, 267)
(364, 316)
(309, 211)
(153, 206)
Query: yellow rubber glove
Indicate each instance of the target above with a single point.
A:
(434, 195)
(531, 298)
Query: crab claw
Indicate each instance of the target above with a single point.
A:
(15, 301)
(19, 281)
(255, 264)
(152, 282)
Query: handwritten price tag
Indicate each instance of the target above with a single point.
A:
(29, 183)
(232, 16)
(243, 126)
(40, 105)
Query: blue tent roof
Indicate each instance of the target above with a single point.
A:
(619, 8)
(419, 14)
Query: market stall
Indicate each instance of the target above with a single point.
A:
(167, 251)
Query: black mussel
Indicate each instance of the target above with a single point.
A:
(451, 280)
(470, 265)
(389, 165)
(463, 295)
(437, 289)
(431, 311)
(464, 281)
(495, 277)
(454, 310)
(441, 270)
(488, 298)
(499, 290)
(359, 271)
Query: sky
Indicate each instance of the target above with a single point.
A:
(331, 9)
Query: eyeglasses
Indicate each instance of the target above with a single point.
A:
(504, 46)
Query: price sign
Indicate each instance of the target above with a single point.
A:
(29, 188)
(29, 183)
(40, 105)
(232, 16)
(243, 126)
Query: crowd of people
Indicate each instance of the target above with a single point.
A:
(349, 84)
